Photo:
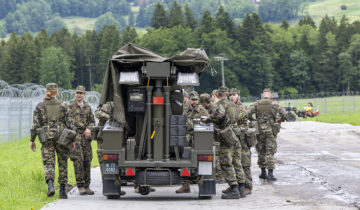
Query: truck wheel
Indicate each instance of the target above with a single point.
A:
(144, 190)
(290, 117)
(113, 197)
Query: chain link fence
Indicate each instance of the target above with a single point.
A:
(17, 103)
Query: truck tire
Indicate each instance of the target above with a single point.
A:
(290, 117)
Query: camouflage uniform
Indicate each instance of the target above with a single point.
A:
(193, 113)
(103, 113)
(53, 130)
(82, 154)
(230, 156)
(211, 110)
(266, 147)
(245, 149)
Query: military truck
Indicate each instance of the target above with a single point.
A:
(144, 141)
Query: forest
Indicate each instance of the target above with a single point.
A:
(291, 59)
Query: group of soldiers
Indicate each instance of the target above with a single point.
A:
(236, 131)
(51, 117)
(234, 136)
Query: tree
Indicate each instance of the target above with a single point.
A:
(347, 71)
(276, 10)
(55, 67)
(159, 18)
(299, 67)
(285, 25)
(189, 18)
(225, 22)
(2, 31)
(176, 16)
(54, 24)
(207, 24)
(131, 21)
(129, 35)
(109, 19)
(307, 20)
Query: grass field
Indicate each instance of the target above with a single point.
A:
(22, 184)
(317, 10)
(79, 23)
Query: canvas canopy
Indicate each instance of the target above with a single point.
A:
(131, 55)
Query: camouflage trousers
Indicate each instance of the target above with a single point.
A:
(246, 164)
(99, 154)
(266, 149)
(218, 171)
(48, 150)
(230, 162)
(81, 157)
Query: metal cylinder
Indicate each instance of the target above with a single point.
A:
(167, 122)
(148, 107)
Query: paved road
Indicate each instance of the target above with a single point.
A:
(318, 167)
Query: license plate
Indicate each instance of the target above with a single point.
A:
(205, 168)
(111, 168)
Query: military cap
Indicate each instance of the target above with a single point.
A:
(223, 89)
(205, 98)
(80, 89)
(186, 94)
(234, 91)
(194, 95)
(214, 92)
(51, 86)
(267, 90)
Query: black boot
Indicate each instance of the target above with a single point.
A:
(233, 194)
(242, 190)
(271, 175)
(62, 193)
(263, 174)
(51, 189)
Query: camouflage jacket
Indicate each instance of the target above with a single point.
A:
(212, 108)
(82, 116)
(186, 107)
(242, 114)
(266, 111)
(193, 114)
(104, 112)
(225, 114)
(40, 119)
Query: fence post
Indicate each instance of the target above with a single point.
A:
(354, 103)
(325, 106)
(343, 103)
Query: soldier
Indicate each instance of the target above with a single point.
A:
(245, 148)
(82, 155)
(195, 111)
(49, 118)
(266, 147)
(214, 97)
(205, 100)
(226, 117)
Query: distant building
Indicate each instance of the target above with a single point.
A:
(255, 2)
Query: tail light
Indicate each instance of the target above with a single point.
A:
(130, 172)
(110, 157)
(209, 158)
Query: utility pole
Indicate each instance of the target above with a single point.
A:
(222, 59)
(90, 73)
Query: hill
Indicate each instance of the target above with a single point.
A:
(318, 9)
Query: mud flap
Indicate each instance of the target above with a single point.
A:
(110, 187)
(207, 188)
